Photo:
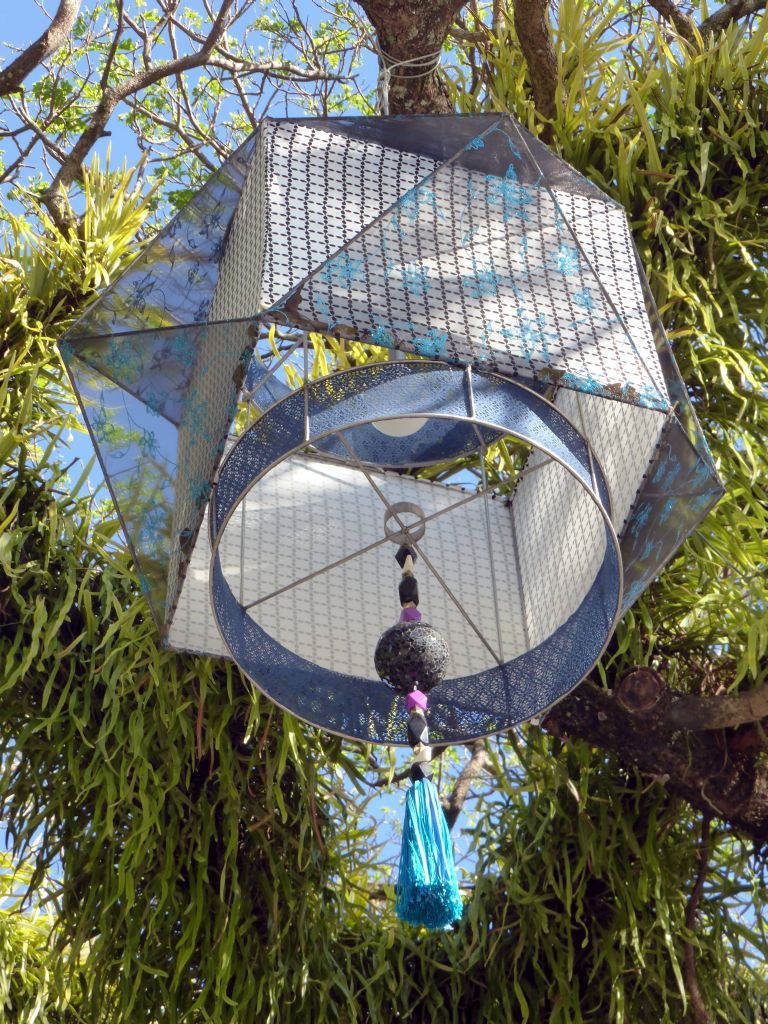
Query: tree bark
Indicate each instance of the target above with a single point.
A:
(50, 41)
(683, 741)
(535, 36)
(410, 30)
(669, 10)
(733, 11)
(475, 767)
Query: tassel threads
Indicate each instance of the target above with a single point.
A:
(427, 886)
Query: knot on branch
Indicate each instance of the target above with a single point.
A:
(640, 691)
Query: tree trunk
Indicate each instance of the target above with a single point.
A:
(411, 30)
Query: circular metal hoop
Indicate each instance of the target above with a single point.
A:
(330, 411)
(412, 534)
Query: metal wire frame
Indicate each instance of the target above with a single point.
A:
(420, 552)
(474, 421)
(478, 425)
(420, 521)
(604, 291)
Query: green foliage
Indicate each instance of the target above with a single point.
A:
(28, 994)
(676, 133)
(271, 58)
(594, 932)
(184, 812)
(212, 863)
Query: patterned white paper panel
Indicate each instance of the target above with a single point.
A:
(485, 269)
(306, 514)
(603, 234)
(560, 538)
(308, 193)
(623, 438)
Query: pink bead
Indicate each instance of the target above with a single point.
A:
(410, 615)
(416, 699)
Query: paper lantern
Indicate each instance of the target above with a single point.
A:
(465, 242)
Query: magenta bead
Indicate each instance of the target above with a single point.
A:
(410, 615)
(416, 699)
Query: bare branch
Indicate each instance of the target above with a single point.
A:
(535, 36)
(475, 767)
(700, 1014)
(669, 10)
(50, 41)
(70, 168)
(115, 43)
(193, 144)
(278, 69)
(732, 11)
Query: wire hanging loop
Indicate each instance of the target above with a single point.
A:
(411, 67)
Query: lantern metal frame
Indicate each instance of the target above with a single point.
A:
(366, 709)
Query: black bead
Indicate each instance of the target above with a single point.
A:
(417, 729)
(408, 590)
(421, 770)
(411, 654)
(402, 553)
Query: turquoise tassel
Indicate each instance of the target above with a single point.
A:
(427, 886)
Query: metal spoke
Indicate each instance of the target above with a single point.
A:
(481, 459)
(248, 395)
(360, 551)
(419, 550)
(242, 522)
(306, 387)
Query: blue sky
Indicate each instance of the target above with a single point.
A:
(23, 21)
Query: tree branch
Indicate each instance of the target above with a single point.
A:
(54, 197)
(115, 43)
(470, 773)
(669, 10)
(700, 1014)
(705, 749)
(533, 32)
(53, 37)
(643, 689)
(732, 11)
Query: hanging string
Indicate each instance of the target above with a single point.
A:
(412, 67)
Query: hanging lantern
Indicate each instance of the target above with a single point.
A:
(508, 293)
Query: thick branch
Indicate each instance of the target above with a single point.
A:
(534, 34)
(705, 749)
(475, 767)
(669, 10)
(732, 11)
(644, 690)
(53, 37)
(408, 30)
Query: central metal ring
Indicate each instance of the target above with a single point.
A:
(408, 534)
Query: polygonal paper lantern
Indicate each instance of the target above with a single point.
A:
(267, 537)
